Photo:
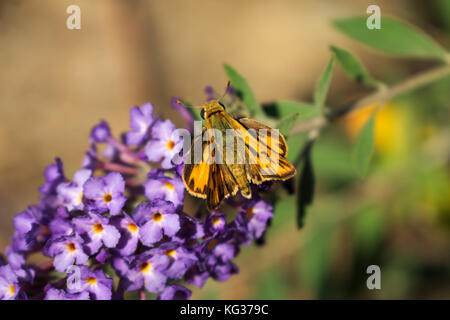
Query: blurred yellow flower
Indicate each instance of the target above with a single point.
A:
(390, 126)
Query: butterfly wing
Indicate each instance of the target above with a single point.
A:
(233, 164)
(206, 179)
(267, 150)
(196, 175)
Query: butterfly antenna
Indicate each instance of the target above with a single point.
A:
(180, 102)
(226, 90)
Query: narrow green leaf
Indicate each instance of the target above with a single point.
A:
(285, 125)
(243, 90)
(363, 148)
(314, 260)
(306, 184)
(394, 37)
(323, 84)
(305, 110)
(352, 66)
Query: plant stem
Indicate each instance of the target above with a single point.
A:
(380, 96)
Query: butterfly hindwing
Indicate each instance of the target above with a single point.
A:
(265, 152)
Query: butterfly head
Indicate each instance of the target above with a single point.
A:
(210, 107)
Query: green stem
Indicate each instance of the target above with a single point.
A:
(383, 95)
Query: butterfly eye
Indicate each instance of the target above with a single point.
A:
(223, 106)
(202, 114)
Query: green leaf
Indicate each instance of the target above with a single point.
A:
(285, 125)
(323, 84)
(295, 146)
(305, 110)
(305, 189)
(352, 66)
(363, 149)
(315, 260)
(394, 37)
(243, 90)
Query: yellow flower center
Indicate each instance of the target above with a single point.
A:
(216, 221)
(170, 145)
(91, 280)
(80, 198)
(12, 289)
(71, 247)
(97, 227)
(171, 253)
(107, 197)
(157, 216)
(132, 227)
(145, 267)
(169, 186)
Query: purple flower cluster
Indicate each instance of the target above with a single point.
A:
(109, 231)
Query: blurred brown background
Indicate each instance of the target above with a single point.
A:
(56, 83)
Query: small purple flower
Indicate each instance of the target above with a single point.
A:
(257, 215)
(223, 271)
(90, 159)
(215, 223)
(54, 175)
(55, 294)
(105, 193)
(197, 275)
(95, 282)
(67, 251)
(17, 261)
(129, 234)
(122, 265)
(141, 120)
(225, 251)
(101, 132)
(9, 283)
(155, 219)
(27, 224)
(180, 259)
(165, 144)
(71, 193)
(98, 230)
(175, 292)
(147, 270)
(190, 229)
(60, 227)
(160, 186)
